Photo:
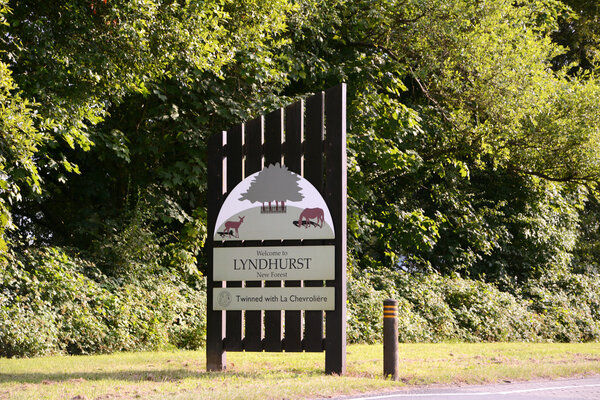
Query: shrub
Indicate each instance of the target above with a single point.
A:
(568, 306)
(564, 308)
(423, 293)
(25, 332)
(53, 303)
(484, 313)
(365, 323)
(27, 324)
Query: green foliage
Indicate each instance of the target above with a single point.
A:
(81, 61)
(26, 332)
(18, 144)
(490, 111)
(587, 250)
(90, 53)
(446, 101)
(579, 32)
(364, 312)
(53, 303)
(562, 308)
(568, 305)
(473, 148)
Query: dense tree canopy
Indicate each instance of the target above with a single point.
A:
(474, 126)
(18, 143)
(467, 151)
(579, 33)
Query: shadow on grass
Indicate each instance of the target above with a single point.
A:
(169, 375)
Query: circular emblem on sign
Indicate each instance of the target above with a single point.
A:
(224, 299)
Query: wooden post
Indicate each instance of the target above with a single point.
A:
(335, 196)
(215, 321)
(294, 132)
(390, 339)
(272, 152)
(314, 137)
(233, 319)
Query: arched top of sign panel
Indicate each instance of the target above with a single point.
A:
(274, 204)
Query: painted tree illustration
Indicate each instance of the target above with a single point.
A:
(274, 184)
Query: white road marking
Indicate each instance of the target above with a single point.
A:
(463, 394)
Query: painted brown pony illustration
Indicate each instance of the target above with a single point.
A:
(311, 213)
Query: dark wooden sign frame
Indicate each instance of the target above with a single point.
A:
(309, 137)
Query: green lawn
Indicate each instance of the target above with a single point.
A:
(182, 374)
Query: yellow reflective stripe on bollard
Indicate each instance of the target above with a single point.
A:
(390, 311)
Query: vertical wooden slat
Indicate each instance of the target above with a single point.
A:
(335, 196)
(313, 142)
(313, 172)
(215, 327)
(273, 137)
(272, 154)
(253, 149)
(294, 127)
(253, 145)
(233, 326)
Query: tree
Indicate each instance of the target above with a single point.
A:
(19, 142)
(579, 33)
(446, 100)
(274, 183)
(120, 89)
(472, 144)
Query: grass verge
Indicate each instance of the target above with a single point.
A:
(182, 374)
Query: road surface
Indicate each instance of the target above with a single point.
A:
(566, 389)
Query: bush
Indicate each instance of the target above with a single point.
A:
(423, 314)
(27, 324)
(365, 319)
(427, 301)
(53, 303)
(25, 332)
(568, 306)
(484, 313)
(563, 308)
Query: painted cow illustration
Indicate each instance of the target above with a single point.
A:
(311, 213)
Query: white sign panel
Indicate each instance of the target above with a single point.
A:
(274, 204)
(274, 263)
(288, 298)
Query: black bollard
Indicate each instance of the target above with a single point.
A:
(390, 339)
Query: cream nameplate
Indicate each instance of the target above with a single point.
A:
(274, 263)
(289, 298)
